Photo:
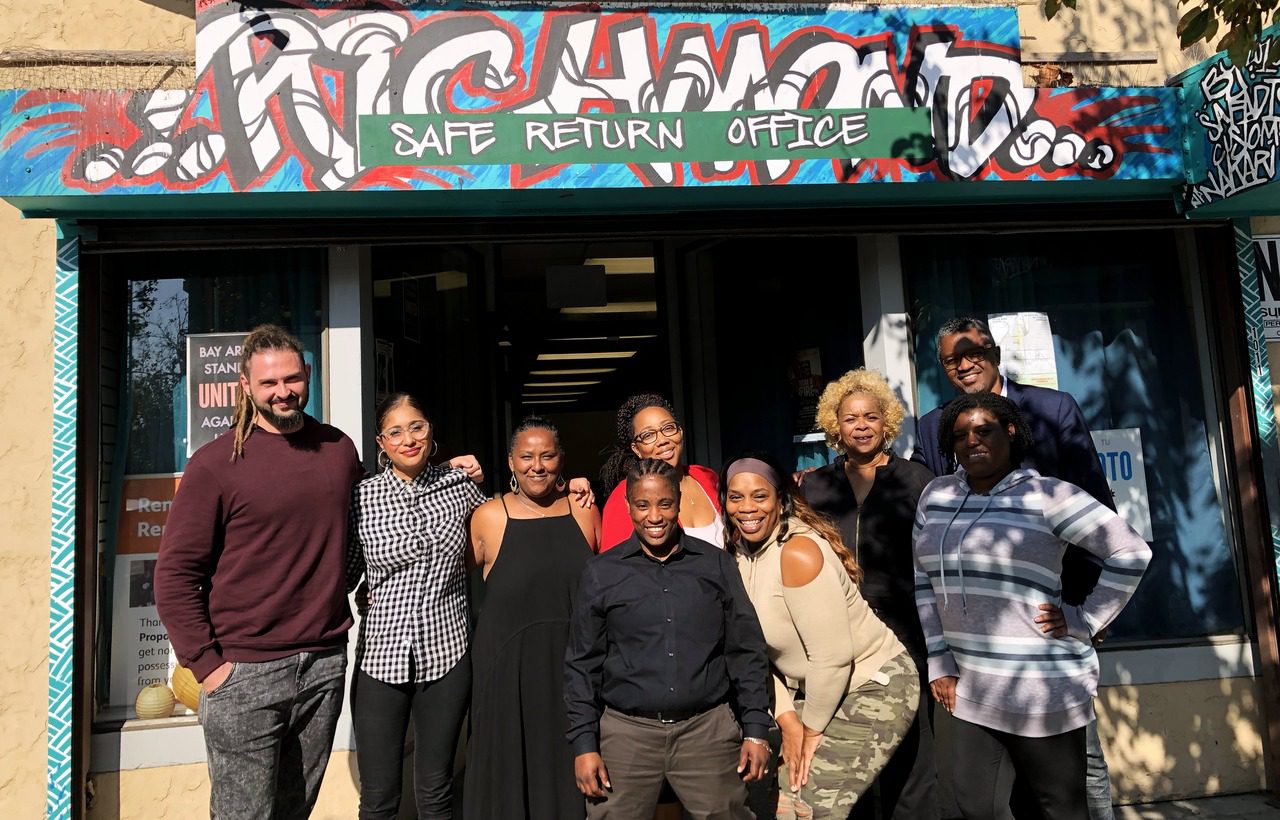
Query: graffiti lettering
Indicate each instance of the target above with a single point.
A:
(1241, 117)
(279, 92)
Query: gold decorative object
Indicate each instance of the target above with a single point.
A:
(186, 688)
(154, 701)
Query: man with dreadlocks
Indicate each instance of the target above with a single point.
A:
(251, 585)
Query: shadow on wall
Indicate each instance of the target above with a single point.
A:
(183, 7)
(1182, 739)
(1163, 741)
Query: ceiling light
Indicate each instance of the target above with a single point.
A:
(612, 307)
(544, 395)
(602, 338)
(603, 354)
(560, 384)
(623, 265)
(549, 401)
(573, 371)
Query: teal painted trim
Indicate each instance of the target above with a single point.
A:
(351, 204)
(66, 318)
(1259, 371)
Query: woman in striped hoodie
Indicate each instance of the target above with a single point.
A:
(1006, 657)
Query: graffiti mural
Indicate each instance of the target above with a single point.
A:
(1240, 115)
(280, 92)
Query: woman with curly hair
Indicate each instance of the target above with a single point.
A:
(647, 428)
(860, 687)
(872, 494)
(1008, 659)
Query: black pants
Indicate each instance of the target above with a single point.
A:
(381, 713)
(1053, 769)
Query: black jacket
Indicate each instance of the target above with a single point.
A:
(878, 533)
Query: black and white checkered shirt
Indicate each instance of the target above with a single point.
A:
(409, 540)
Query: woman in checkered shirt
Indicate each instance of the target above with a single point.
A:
(410, 524)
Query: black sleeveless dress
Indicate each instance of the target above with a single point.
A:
(519, 765)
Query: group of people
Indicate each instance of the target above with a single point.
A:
(668, 645)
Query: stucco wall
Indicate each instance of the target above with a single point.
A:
(98, 25)
(26, 421)
(1169, 740)
(183, 791)
(1163, 741)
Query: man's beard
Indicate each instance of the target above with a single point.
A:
(289, 422)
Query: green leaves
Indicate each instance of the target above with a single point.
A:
(1240, 21)
(1194, 24)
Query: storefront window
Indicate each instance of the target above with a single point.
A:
(186, 314)
(1106, 317)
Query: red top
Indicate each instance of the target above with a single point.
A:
(617, 526)
(252, 562)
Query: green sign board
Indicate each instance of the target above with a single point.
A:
(597, 138)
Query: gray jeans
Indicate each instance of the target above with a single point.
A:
(1097, 783)
(268, 730)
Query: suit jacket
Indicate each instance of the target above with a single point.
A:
(1061, 448)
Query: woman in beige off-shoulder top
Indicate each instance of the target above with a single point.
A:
(845, 689)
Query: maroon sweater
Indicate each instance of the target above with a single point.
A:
(252, 560)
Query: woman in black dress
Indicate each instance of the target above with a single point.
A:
(872, 495)
(531, 545)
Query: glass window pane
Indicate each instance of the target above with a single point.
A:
(1125, 347)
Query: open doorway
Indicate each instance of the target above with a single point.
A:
(740, 332)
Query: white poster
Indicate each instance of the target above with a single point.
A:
(1120, 452)
(1266, 257)
(1026, 347)
(140, 650)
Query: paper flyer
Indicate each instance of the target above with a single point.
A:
(1120, 452)
(140, 649)
(1026, 347)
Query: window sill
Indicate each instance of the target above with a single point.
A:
(121, 743)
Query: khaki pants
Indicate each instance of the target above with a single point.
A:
(698, 757)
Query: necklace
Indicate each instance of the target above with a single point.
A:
(532, 508)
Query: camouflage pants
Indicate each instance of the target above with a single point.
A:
(858, 742)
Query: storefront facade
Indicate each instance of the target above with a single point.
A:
(406, 184)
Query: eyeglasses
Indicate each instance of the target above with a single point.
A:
(419, 430)
(647, 437)
(972, 356)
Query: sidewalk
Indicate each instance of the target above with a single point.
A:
(1260, 806)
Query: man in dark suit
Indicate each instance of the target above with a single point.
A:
(1061, 448)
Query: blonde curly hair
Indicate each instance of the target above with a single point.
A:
(870, 383)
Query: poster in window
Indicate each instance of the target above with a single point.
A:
(1026, 347)
(213, 385)
(1120, 452)
(1266, 257)
(140, 649)
(806, 386)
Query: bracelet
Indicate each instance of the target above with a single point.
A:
(760, 742)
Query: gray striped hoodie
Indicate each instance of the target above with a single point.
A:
(984, 564)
